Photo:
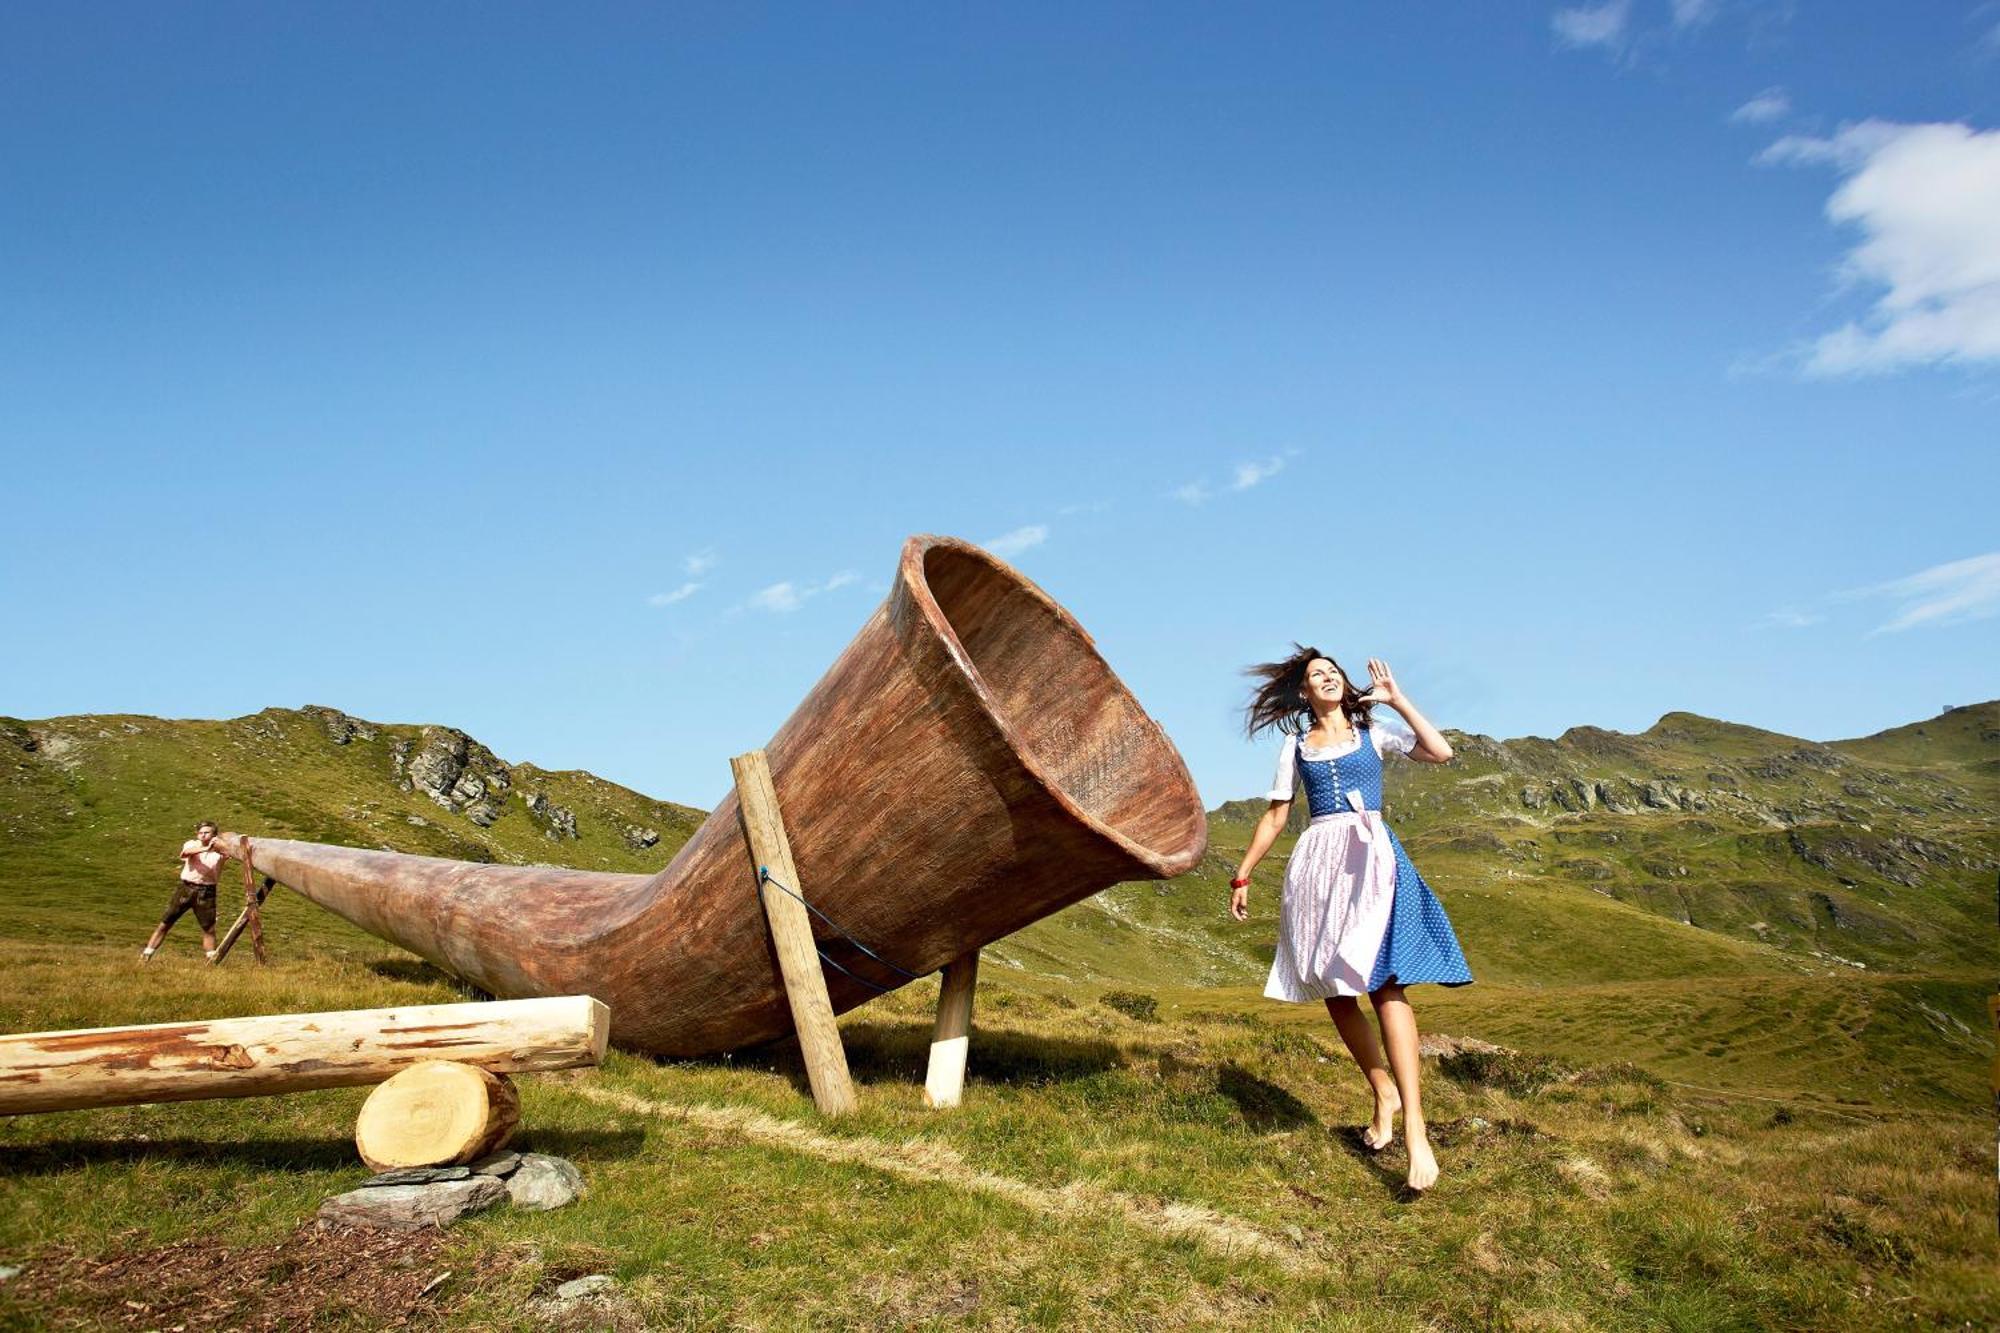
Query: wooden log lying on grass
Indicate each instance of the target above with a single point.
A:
(277, 1053)
(437, 1113)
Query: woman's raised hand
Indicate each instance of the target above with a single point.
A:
(1382, 688)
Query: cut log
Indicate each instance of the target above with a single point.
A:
(255, 1057)
(437, 1113)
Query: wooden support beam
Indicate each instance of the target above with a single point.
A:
(791, 933)
(945, 1082)
(249, 916)
(256, 1057)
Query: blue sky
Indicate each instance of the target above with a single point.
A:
(572, 374)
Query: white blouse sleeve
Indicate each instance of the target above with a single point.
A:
(1285, 781)
(1392, 735)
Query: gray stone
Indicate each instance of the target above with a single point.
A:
(1575, 795)
(1614, 800)
(416, 1175)
(484, 812)
(436, 766)
(581, 1288)
(499, 1164)
(8, 1272)
(340, 728)
(1658, 795)
(557, 821)
(638, 839)
(542, 1182)
(1533, 797)
(412, 1207)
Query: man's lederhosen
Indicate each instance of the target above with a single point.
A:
(201, 897)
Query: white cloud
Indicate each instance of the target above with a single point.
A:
(1946, 594)
(1790, 619)
(1769, 105)
(778, 597)
(1249, 474)
(1013, 543)
(680, 594)
(701, 562)
(1191, 494)
(788, 596)
(1926, 199)
(1694, 13)
(1593, 25)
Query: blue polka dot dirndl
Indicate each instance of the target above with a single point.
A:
(1356, 913)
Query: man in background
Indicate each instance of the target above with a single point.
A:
(200, 861)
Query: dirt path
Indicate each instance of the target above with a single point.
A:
(929, 1162)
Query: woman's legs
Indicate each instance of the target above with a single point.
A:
(1399, 1033)
(1359, 1034)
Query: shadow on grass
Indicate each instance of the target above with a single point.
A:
(327, 1154)
(900, 1053)
(1265, 1106)
(417, 972)
(1389, 1166)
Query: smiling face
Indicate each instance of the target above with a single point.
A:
(1325, 686)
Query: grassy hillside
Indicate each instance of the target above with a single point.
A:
(93, 809)
(1742, 978)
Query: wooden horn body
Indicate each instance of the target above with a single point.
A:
(967, 766)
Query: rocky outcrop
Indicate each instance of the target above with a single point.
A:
(340, 727)
(458, 773)
(557, 822)
(639, 839)
(1574, 795)
(1613, 798)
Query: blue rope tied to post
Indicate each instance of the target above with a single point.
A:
(764, 877)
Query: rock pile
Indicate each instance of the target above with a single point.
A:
(437, 1196)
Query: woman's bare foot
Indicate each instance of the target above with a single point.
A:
(1423, 1164)
(1380, 1132)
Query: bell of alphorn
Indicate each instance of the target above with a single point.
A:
(967, 766)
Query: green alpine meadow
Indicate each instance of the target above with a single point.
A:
(1728, 1064)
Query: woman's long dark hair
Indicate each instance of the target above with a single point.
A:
(1280, 699)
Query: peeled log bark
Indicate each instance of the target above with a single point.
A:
(966, 767)
(437, 1113)
(254, 1057)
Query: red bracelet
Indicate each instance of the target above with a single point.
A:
(1239, 883)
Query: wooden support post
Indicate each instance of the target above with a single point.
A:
(249, 916)
(255, 1057)
(791, 932)
(945, 1082)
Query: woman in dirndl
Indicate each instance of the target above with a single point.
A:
(1357, 918)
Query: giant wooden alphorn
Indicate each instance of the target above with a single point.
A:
(967, 766)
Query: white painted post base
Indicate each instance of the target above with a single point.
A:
(945, 1083)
